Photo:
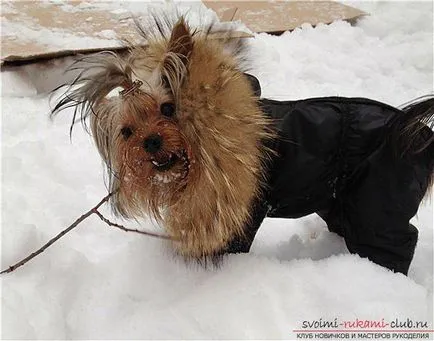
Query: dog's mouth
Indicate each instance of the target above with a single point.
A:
(166, 162)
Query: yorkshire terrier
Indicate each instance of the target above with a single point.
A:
(186, 139)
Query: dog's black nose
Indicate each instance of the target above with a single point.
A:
(153, 143)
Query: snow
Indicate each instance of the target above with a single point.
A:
(101, 283)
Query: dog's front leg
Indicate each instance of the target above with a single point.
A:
(242, 243)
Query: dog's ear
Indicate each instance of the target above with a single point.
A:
(95, 76)
(254, 83)
(179, 48)
(181, 41)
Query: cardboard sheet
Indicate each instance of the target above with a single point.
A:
(280, 16)
(35, 30)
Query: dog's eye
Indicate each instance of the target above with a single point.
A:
(126, 132)
(167, 109)
(165, 82)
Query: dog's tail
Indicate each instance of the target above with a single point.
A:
(411, 130)
(412, 135)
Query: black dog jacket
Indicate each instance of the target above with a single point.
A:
(348, 160)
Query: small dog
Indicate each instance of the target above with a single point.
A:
(188, 141)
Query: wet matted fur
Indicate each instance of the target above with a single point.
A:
(183, 139)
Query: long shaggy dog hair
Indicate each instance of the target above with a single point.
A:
(180, 131)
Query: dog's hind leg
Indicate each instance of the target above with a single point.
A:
(378, 205)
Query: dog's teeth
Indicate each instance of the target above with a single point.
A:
(155, 163)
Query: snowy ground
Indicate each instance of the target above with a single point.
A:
(99, 283)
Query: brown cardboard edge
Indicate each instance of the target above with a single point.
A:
(20, 60)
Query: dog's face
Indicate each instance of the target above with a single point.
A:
(182, 141)
(151, 146)
(148, 154)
